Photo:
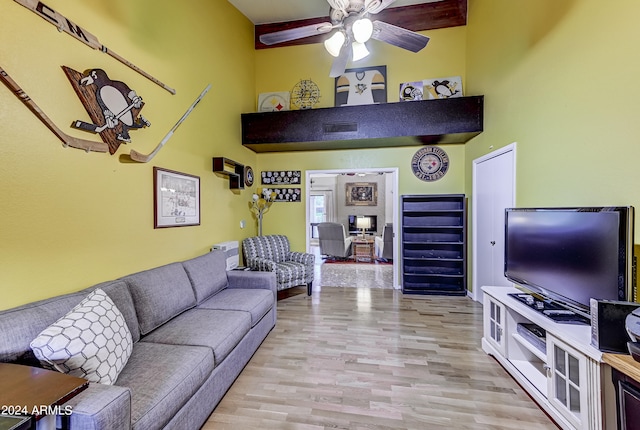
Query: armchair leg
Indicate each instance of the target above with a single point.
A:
(309, 288)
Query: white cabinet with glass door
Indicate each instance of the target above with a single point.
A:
(494, 324)
(567, 380)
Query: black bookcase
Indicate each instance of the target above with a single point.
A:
(434, 246)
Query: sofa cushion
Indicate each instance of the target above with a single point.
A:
(207, 274)
(160, 294)
(219, 330)
(118, 291)
(92, 341)
(257, 302)
(162, 378)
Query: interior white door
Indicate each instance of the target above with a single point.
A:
(493, 191)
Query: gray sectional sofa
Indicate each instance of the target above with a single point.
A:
(194, 326)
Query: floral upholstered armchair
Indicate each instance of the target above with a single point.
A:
(272, 254)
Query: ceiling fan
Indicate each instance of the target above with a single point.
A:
(353, 28)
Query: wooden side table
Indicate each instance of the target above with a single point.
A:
(26, 390)
(363, 249)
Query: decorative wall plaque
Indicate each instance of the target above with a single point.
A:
(287, 194)
(283, 177)
(430, 163)
(113, 107)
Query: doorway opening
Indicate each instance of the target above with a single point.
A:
(327, 202)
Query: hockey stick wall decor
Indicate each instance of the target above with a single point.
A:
(69, 27)
(141, 158)
(67, 140)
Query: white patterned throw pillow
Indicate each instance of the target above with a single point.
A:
(92, 341)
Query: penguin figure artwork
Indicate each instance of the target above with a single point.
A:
(113, 107)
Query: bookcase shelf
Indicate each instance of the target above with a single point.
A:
(434, 244)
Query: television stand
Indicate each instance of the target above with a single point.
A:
(550, 309)
(555, 363)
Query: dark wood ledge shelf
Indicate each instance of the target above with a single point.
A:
(455, 120)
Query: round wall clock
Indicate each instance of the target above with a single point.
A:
(248, 176)
(430, 163)
(305, 94)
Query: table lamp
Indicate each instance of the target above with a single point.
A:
(363, 222)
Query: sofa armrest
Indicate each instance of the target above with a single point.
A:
(250, 280)
(301, 257)
(261, 264)
(101, 407)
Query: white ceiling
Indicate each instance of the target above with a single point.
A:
(269, 11)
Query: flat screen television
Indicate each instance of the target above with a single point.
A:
(571, 255)
(353, 229)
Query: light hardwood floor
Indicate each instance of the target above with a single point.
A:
(364, 358)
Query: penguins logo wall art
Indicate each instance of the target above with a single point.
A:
(113, 107)
(443, 88)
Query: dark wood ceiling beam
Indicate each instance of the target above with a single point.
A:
(420, 17)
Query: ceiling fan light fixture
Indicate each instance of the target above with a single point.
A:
(334, 43)
(362, 30)
(360, 51)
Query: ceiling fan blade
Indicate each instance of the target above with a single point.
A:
(340, 63)
(398, 36)
(376, 6)
(296, 33)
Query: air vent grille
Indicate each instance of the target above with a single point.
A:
(343, 127)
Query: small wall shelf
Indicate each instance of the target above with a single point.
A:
(236, 178)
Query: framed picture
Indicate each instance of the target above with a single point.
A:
(176, 199)
(361, 194)
(363, 86)
(282, 177)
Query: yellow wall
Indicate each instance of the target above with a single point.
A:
(280, 69)
(72, 219)
(289, 218)
(560, 78)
